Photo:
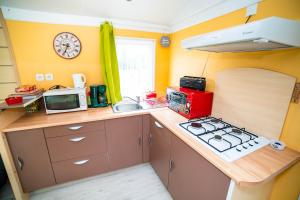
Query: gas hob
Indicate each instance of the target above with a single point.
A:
(224, 139)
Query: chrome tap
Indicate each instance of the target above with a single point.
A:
(137, 100)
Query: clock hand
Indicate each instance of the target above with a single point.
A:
(67, 46)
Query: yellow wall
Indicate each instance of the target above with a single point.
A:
(32, 43)
(184, 62)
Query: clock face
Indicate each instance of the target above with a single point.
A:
(67, 45)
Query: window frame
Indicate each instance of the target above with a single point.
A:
(154, 41)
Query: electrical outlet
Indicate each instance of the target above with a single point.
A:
(49, 77)
(39, 77)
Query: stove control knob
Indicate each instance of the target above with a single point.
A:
(256, 140)
(245, 145)
(239, 148)
(251, 143)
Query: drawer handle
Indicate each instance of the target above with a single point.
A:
(171, 165)
(74, 128)
(81, 162)
(150, 139)
(77, 139)
(158, 125)
(20, 163)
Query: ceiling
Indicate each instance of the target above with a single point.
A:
(161, 12)
(162, 16)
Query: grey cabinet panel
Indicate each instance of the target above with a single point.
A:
(160, 149)
(31, 158)
(124, 139)
(192, 177)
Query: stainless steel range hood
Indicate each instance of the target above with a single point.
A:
(267, 34)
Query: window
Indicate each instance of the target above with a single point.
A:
(136, 58)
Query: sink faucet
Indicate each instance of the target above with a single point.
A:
(137, 100)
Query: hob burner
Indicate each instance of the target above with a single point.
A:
(196, 125)
(215, 120)
(237, 131)
(218, 137)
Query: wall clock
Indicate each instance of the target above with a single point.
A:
(67, 45)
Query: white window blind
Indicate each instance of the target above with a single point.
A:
(136, 58)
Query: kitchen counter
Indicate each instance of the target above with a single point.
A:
(42, 120)
(258, 167)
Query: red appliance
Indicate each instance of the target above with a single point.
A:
(190, 103)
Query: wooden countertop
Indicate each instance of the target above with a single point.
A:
(42, 120)
(258, 167)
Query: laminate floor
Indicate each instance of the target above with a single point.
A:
(135, 183)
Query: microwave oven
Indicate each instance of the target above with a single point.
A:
(65, 100)
(190, 103)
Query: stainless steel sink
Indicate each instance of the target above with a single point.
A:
(126, 107)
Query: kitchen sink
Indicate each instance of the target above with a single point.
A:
(126, 107)
(129, 104)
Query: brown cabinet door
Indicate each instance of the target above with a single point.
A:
(192, 177)
(31, 158)
(146, 135)
(124, 139)
(160, 150)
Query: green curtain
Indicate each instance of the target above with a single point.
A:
(109, 63)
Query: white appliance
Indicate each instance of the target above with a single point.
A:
(267, 34)
(65, 100)
(79, 80)
(227, 141)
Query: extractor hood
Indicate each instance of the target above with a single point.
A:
(267, 34)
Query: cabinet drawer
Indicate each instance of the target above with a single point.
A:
(76, 145)
(73, 128)
(80, 168)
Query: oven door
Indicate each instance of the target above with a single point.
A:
(178, 98)
(177, 101)
(62, 103)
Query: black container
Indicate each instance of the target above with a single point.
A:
(192, 82)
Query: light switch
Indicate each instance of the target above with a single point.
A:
(49, 77)
(39, 77)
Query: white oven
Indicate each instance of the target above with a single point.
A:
(65, 100)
